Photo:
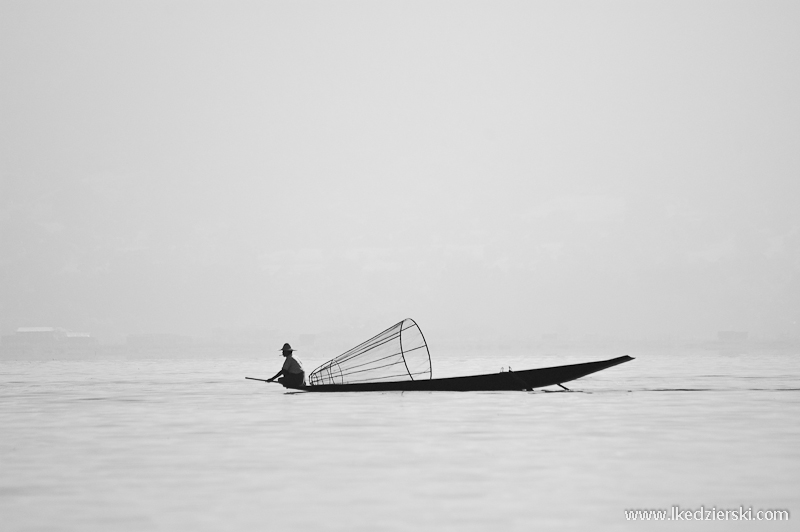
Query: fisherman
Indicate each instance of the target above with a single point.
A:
(292, 370)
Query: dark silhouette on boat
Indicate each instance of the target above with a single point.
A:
(398, 359)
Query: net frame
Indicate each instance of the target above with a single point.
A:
(368, 361)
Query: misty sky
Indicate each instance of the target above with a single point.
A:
(496, 168)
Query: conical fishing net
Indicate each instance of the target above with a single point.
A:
(397, 354)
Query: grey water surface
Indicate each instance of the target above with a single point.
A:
(173, 442)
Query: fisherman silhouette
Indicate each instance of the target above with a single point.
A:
(292, 370)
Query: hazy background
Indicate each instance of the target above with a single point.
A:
(628, 169)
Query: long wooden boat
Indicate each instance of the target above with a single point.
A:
(509, 380)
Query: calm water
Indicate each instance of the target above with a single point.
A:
(176, 443)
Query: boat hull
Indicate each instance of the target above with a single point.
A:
(510, 380)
